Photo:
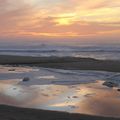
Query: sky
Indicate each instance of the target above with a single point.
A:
(97, 20)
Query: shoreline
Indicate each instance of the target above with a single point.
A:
(67, 63)
(16, 113)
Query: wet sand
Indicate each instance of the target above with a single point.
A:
(59, 90)
(14, 113)
(91, 99)
(63, 63)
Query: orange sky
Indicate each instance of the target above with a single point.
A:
(59, 18)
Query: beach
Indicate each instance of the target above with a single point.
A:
(45, 78)
(59, 60)
(14, 113)
(63, 62)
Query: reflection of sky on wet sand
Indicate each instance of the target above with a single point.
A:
(13, 94)
(91, 98)
(104, 101)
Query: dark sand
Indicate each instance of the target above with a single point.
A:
(14, 113)
(63, 63)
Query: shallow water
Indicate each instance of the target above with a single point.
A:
(62, 90)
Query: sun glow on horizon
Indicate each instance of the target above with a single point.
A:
(59, 18)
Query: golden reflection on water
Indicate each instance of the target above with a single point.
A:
(46, 94)
(104, 102)
(92, 98)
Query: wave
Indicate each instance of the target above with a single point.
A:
(97, 52)
(62, 50)
(33, 51)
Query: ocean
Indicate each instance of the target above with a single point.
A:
(101, 51)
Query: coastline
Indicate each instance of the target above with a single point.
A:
(68, 63)
(15, 113)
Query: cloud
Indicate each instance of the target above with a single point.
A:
(59, 18)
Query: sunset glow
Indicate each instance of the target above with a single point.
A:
(59, 18)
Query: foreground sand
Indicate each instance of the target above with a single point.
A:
(63, 62)
(14, 113)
